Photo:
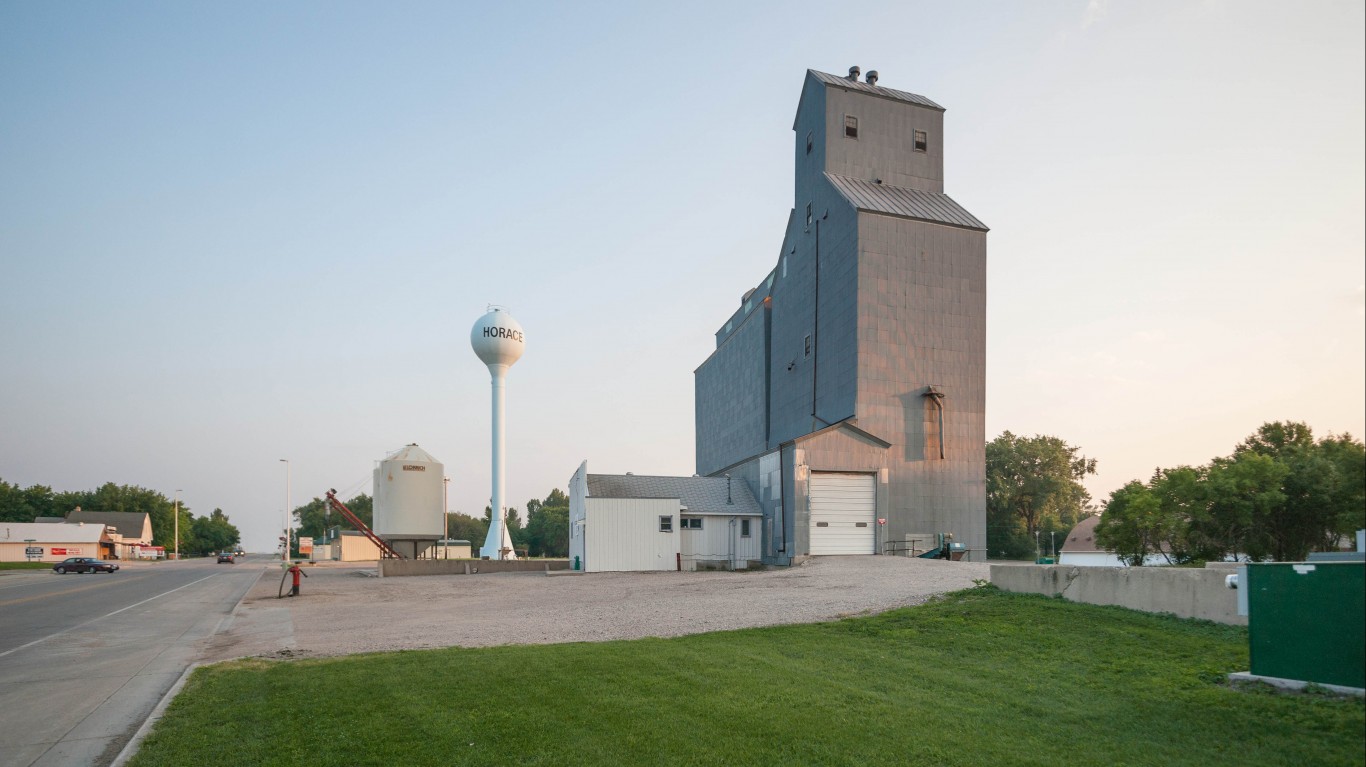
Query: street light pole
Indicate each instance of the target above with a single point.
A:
(445, 518)
(289, 478)
(177, 525)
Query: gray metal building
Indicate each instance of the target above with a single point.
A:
(848, 389)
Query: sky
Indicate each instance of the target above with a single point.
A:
(234, 233)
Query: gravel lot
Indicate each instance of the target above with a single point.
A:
(341, 611)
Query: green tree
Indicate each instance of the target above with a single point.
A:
(213, 533)
(1346, 493)
(161, 510)
(463, 527)
(1130, 525)
(316, 517)
(1033, 486)
(1322, 489)
(25, 505)
(548, 525)
(1244, 496)
(1279, 496)
(1140, 519)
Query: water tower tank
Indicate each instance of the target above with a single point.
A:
(408, 496)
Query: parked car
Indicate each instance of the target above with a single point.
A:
(84, 565)
(225, 557)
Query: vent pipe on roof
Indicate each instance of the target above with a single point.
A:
(853, 73)
(729, 502)
(872, 77)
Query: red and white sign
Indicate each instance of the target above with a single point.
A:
(67, 552)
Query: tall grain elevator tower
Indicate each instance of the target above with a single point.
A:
(849, 387)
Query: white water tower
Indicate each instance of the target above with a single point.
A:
(499, 342)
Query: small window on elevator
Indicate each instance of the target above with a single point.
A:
(808, 214)
(851, 126)
(922, 141)
(806, 347)
(808, 143)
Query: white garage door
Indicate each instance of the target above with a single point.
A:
(842, 513)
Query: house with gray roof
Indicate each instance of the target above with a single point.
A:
(636, 522)
(847, 390)
(128, 530)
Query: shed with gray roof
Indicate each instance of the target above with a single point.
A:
(645, 522)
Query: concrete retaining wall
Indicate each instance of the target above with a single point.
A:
(397, 568)
(1185, 592)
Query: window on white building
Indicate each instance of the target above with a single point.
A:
(690, 523)
(666, 524)
(744, 528)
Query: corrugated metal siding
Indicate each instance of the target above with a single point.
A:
(356, 548)
(578, 514)
(876, 90)
(622, 534)
(843, 513)
(911, 203)
(719, 541)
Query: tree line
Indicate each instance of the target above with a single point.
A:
(544, 533)
(1034, 493)
(198, 535)
(1280, 495)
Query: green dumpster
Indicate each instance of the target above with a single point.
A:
(1305, 621)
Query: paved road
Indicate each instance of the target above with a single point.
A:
(85, 658)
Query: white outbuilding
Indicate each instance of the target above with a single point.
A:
(637, 522)
(46, 542)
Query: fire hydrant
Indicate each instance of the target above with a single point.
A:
(296, 572)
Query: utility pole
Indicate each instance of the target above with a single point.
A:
(177, 525)
(288, 479)
(445, 518)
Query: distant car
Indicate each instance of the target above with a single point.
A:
(224, 557)
(84, 565)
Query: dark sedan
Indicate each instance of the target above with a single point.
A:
(225, 557)
(84, 565)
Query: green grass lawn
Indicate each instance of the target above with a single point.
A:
(25, 565)
(979, 677)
